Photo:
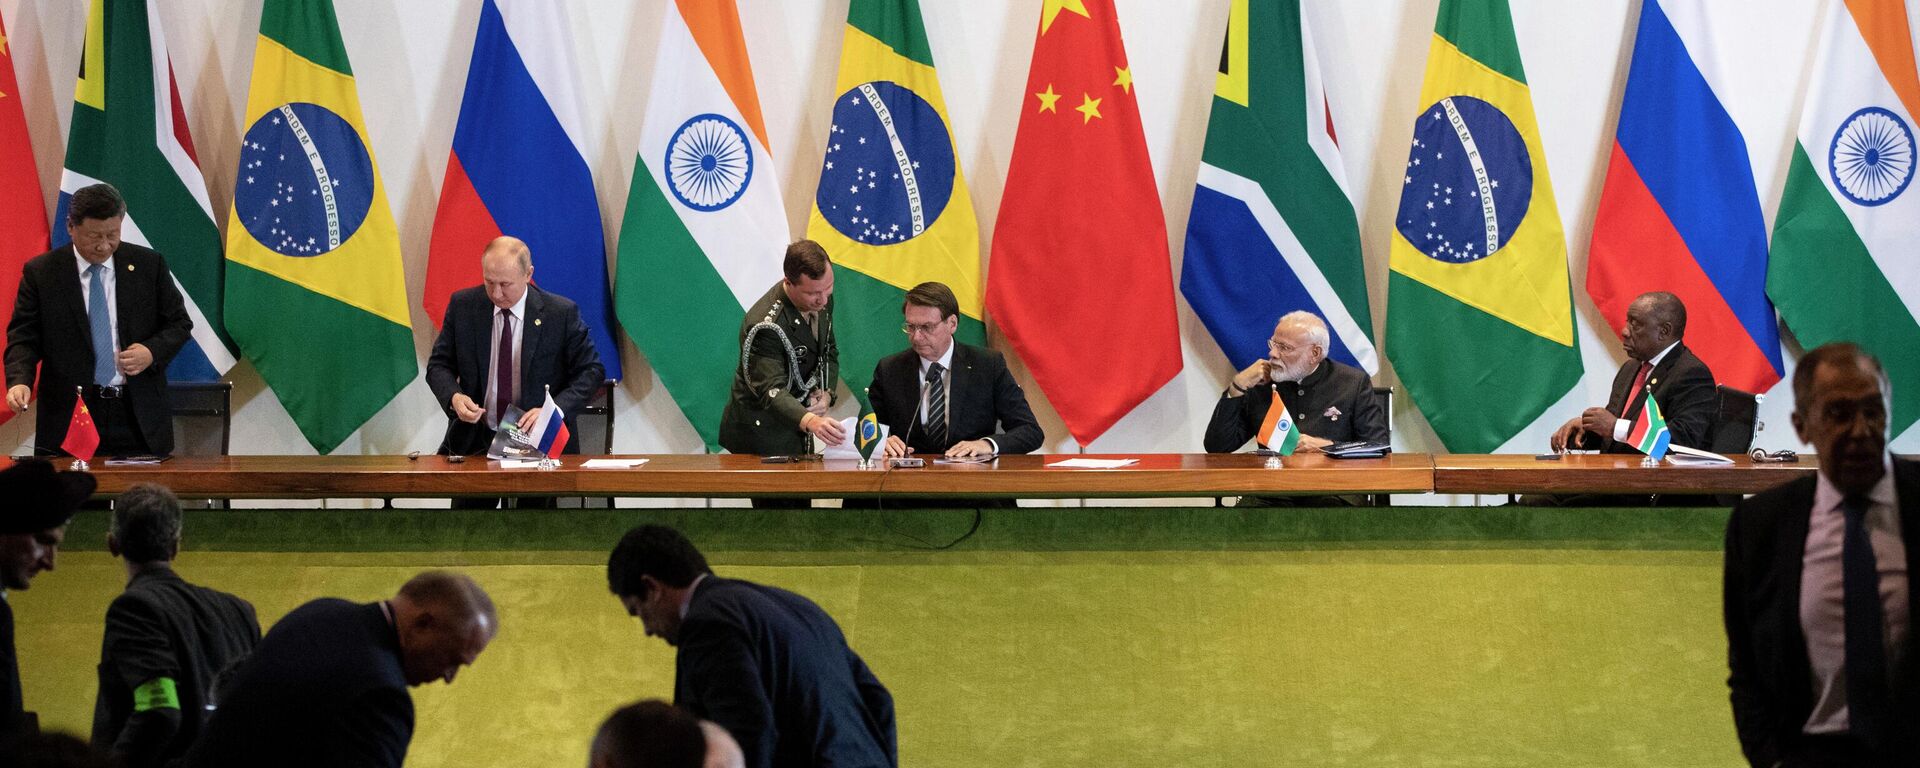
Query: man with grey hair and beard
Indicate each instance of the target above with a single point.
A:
(165, 641)
(1331, 402)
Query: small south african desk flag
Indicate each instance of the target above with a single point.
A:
(1649, 433)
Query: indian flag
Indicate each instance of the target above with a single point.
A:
(1842, 266)
(1478, 302)
(316, 296)
(892, 206)
(130, 130)
(1276, 430)
(704, 231)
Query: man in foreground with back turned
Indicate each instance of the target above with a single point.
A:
(328, 685)
(1819, 602)
(36, 502)
(766, 664)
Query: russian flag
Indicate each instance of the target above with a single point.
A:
(1680, 211)
(517, 168)
(550, 431)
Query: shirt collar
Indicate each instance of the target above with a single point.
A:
(1663, 353)
(686, 600)
(519, 308)
(84, 264)
(1826, 496)
(945, 361)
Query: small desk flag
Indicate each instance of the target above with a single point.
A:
(1276, 431)
(550, 429)
(1649, 433)
(82, 438)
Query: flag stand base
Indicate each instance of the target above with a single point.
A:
(1273, 462)
(80, 465)
(1649, 461)
(549, 463)
(866, 463)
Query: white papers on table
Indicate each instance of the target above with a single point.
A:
(612, 463)
(849, 448)
(519, 464)
(1694, 457)
(1094, 463)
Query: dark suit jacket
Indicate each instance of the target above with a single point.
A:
(163, 626)
(50, 332)
(983, 397)
(1685, 390)
(768, 402)
(773, 669)
(1348, 391)
(1770, 675)
(13, 715)
(555, 351)
(325, 687)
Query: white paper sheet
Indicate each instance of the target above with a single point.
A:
(1094, 463)
(612, 463)
(848, 448)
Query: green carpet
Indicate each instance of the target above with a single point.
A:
(1052, 636)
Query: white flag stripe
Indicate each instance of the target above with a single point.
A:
(539, 32)
(177, 158)
(1317, 120)
(1339, 320)
(1849, 80)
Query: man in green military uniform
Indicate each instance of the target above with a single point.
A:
(785, 381)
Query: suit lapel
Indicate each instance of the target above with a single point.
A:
(1906, 489)
(1790, 548)
(74, 294)
(958, 380)
(532, 332)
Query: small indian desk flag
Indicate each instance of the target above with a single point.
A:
(867, 436)
(82, 438)
(1649, 433)
(550, 429)
(1276, 431)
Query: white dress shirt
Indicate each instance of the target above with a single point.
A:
(113, 306)
(519, 313)
(1823, 593)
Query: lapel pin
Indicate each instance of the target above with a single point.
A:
(129, 267)
(536, 321)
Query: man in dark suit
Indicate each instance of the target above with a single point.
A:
(504, 344)
(1819, 604)
(1656, 360)
(785, 381)
(35, 504)
(102, 316)
(766, 664)
(945, 397)
(328, 684)
(1332, 402)
(165, 641)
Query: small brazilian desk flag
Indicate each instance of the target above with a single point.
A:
(1276, 430)
(867, 438)
(1649, 433)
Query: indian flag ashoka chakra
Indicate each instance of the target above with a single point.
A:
(709, 162)
(1871, 161)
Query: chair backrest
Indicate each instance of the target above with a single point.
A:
(597, 414)
(1385, 396)
(195, 401)
(1733, 422)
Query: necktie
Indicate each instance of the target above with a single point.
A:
(936, 408)
(503, 369)
(1866, 665)
(1636, 398)
(99, 317)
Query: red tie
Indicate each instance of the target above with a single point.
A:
(1633, 394)
(503, 369)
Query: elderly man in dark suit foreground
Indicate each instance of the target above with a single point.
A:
(1825, 667)
(766, 664)
(328, 684)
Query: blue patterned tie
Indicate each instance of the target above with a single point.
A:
(100, 318)
(936, 408)
(1866, 668)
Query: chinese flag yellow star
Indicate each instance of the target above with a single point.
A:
(1054, 7)
(1123, 77)
(1047, 98)
(1089, 107)
(3, 44)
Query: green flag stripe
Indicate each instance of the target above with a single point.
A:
(1817, 257)
(1267, 141)
(308, 28)
(275, 321)
(896, 23)
(1459, 366)
(867, 320)
(1483, 30)
(689, 332)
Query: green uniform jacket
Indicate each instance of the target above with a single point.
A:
(781, 361)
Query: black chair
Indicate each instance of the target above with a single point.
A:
(194, 404)
(596, 419)
(1733, 422)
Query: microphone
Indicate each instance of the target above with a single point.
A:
(919, 406)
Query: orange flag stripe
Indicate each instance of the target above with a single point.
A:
(1884, 25)
(715, 25)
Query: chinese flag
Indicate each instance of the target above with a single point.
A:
(1080, 280)
(23, 214)
(82, 439)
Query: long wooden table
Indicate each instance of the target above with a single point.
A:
(730, 476)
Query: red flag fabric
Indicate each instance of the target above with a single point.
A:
(82, 438)
(23, 213)
(1080, 280)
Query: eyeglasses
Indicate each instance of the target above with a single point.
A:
(925, 330)
(1279, 349)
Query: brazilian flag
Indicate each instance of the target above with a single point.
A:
(1479, 308)
(316, 295)
(866, 437)
(892, 207)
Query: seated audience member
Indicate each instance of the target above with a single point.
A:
(1819, 602)
(165, 639)
(1331, 402)
(328, 684)
(35, 504)
(767, 665)
(1656, 359)
(655, 734)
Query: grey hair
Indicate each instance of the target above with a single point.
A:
(1316, 328)
(147, 523)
